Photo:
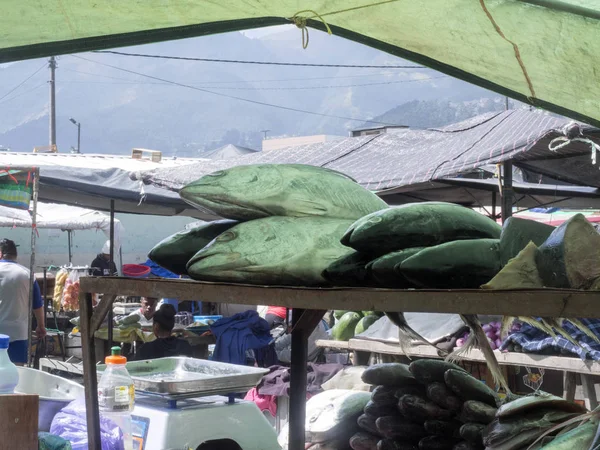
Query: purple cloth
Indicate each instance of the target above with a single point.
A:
(277, 381)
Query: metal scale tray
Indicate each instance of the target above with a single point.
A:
(179, 377)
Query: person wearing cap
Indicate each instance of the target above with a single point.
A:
(14, 303)
(102, 265)
(165, 344)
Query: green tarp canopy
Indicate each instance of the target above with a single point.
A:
(544, 52)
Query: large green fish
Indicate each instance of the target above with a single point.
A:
(382, 270)
(418, 225)
(349, 270)
(296, 190)
(276, 250)
(174, 252)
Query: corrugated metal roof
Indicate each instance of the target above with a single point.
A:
(89, 160)
(410, 157)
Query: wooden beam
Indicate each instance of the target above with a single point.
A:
(574, 364)
(540, 302)
(309, 319)
(101, 311)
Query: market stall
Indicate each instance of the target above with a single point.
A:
(516, 48)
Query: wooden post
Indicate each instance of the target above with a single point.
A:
(297, 414)
(303, 324)
(569, 386)
(89, 372)
(19, 422)
(35, 188)
(589, 391)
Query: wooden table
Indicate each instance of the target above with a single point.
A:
(308, 305)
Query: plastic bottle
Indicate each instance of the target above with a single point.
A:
(9, 376)
(116, 395)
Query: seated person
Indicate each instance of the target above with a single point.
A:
(164, 345)
(146, 311)
(275, 316)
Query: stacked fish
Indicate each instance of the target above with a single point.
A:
(426, 245)
(534, 421)
(429, 405)
(292, 224)
(285, 229)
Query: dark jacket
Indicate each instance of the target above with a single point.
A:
(102, 268)
(164, 347)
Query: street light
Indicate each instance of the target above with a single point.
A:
(74, 122)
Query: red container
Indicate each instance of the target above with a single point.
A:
(136, 271)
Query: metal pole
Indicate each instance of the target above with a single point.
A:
(78, 137)
(52, 112)
(36, 174)
(506, 104)
(111, 263)
(494, 205)
(297, 413)
(70, 246)
(507, 190)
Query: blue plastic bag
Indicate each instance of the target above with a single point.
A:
(70, 424)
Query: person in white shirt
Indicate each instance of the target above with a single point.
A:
(14, 303)
(146, 311)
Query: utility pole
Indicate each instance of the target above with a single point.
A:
(506, 105)
(52, 112)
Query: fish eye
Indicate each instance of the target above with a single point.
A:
(218, 173)
(376, 219)
(226, 237)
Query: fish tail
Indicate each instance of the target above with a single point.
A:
(481, 341)
(584, 329)
(542, 326)
(507, 322)
(406, 334)
(556, 324)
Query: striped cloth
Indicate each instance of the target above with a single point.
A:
(15, 195)
(533, 340)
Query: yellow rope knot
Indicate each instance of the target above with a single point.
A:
(301, 21)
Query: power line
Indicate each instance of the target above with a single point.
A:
(24, 92)
(267, 63)
(284, 88)
(22, 83)
(272, 80)
(233, 97)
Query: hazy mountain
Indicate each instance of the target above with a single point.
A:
(438, 113)
(120, 109)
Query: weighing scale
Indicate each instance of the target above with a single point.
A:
(181, 403)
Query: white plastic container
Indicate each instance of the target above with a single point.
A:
(116, 395)
(9, 376)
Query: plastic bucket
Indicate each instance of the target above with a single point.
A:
(136, 271)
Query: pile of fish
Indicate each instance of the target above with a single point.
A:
(534, 422)
(429, 405)
(292, 224)
(284, 228)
